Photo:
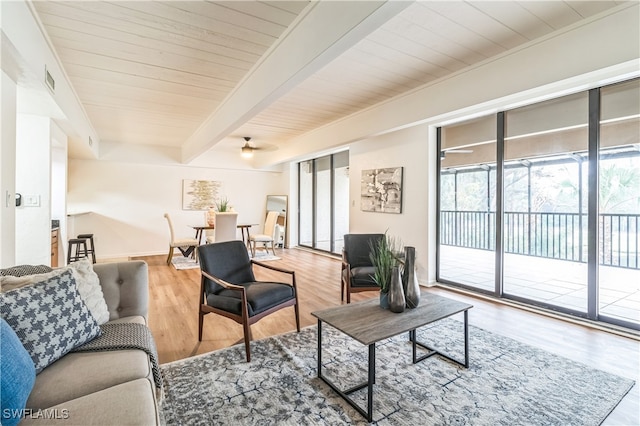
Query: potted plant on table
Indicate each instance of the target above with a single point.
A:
(386, 259)
(222, 205)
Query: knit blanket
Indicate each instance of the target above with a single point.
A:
(122, 336)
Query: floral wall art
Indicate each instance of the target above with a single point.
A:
(199, 194)
(381, 190)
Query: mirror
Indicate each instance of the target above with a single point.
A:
(279, 203)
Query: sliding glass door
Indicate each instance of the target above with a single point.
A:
(545, 216)
(619, 203)
(549, 214)
(467, 203)
(324, 202)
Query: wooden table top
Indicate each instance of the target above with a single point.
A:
(368, 323)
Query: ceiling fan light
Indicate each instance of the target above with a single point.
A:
(247, 151)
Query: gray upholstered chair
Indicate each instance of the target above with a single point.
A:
(357, 268)
(229, 288)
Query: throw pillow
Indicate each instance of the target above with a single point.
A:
(86, 279)
(49, 318)
(18, 376)
(90, 289)
(21, 270)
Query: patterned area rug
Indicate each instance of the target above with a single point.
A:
(508, 383)
(264, 257)
(180, 263)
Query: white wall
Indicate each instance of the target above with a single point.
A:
(59, 186)
(127, 201)
(33, 181)
(410, 149)
(8, 173)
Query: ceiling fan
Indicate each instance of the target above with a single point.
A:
(247, 150)
(444, 152)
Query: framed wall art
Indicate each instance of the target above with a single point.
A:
(381, 190)
(199, 194)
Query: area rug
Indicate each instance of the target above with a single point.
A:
(180, 263)
(264, 257)
(508, 383)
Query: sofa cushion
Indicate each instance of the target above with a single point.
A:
(86, 280)
(80, 373)
(49, 318)
(131, 403)
(18, 376)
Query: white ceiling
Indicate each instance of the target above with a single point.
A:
(184, 74)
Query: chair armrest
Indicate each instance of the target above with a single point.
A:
(273, 268)
(222, 282)
(125, 286)
(277, 269)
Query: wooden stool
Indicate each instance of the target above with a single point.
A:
(91, 247)
(80, 246)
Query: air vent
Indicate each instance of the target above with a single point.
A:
(48, 78)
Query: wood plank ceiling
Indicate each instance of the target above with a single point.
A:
(152, 73)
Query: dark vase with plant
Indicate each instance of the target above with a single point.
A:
(384, 257)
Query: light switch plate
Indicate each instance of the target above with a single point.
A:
(31, 200)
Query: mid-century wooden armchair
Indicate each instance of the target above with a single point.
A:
(357, 268)
(229, 288)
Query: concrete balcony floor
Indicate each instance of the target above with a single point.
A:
(554, 282)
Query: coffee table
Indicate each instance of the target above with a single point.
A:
(368, 323)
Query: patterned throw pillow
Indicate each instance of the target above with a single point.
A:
(49, 318)
(86, 279)
(22, 270)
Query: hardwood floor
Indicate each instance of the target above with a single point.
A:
(173, 318)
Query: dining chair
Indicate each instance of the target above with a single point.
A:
(357, 267)
(228, 287)
(267, 234)
(226, 227)
(185, 245)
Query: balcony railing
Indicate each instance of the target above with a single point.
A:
(550, 235)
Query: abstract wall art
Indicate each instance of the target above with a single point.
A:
(199, 194)
(381, 190)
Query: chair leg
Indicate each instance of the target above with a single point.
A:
(342, 290)
(247, 338)
(297, 311)
(253, 248)
(170, 255)
(200, 322)
(348, 295)
(273, 249)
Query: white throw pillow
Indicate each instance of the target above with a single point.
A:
(86, 280)
(90, 289)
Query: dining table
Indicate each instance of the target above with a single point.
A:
(244, 228)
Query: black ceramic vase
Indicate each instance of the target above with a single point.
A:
(396, 293)
(410, 278)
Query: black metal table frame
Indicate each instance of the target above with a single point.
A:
(371, 368)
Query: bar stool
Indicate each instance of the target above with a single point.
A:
(91, 246)
(80, 247)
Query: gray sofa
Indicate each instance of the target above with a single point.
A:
(102, 388)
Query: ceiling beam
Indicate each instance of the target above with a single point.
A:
(322, 32)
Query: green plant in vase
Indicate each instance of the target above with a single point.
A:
(385, 256)
(222, 205)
